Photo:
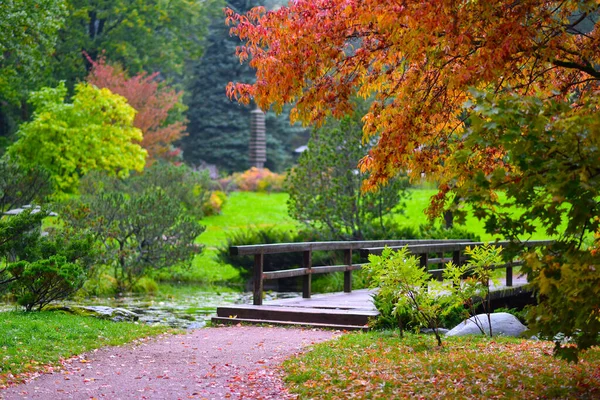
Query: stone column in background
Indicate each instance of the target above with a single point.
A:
(258, 139)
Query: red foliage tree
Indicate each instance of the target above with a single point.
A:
(418, 60)
(153, 103)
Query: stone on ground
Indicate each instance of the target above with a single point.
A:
(504, 324)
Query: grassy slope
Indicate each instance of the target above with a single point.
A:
(382, 365)
(31, 342)
(242, 210)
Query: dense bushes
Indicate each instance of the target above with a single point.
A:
(40, 282)
(39, 269)
(146, 222)
(114, 232)
(253, 180)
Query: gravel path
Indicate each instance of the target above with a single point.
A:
(214, 363)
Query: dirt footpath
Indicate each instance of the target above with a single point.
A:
(214, 363)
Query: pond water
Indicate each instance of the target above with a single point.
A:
(184, 308)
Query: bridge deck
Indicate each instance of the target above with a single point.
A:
(349, 311)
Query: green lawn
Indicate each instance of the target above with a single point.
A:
(242, 210)
(383, 365)
(36, 341)
(245, 209)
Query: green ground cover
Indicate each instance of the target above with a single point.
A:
(383, 365)
(242, 210)
(37, 341)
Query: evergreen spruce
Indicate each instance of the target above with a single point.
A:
(219, 129)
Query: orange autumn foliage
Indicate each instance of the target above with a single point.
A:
(417, 60)
(152, 101)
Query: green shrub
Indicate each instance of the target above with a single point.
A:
(40, 282)
(567, 285)
(145, 285)
(142, 223)
(101, 284)
(414, 294)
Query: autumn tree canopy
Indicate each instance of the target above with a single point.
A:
(480, 96)
(158, 106)
(419, 59)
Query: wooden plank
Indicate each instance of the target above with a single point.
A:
(307, 280)
(286, 273)
(334, 245)
(306, 315)
(348, 273)
(324, 269)
(234, 321)
(258, 278)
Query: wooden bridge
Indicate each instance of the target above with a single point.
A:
(349, 310)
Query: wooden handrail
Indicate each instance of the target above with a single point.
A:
(422, 248)
(275, 248)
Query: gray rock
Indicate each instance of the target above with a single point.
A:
(103, 312)
(427, 331)
(114, 314)
(504, 324)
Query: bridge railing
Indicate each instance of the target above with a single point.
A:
(307, 269)
(421, 248)
(423, 251)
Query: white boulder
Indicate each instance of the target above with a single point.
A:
(504, 324)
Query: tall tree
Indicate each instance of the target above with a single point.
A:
(422, 61)
(28, 32)
(159, 108)
(141, 35)
(95, 132)
(219, 129)
(324, 186)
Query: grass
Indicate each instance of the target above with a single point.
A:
(414, 214)
(35, 342)
(242, 210)
(383, 365)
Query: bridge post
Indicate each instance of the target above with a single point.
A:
(348, 274)
(509, 274)
(307, 279)
(258, 278)
(423, 260)
(456, 257)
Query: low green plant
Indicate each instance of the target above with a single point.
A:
(145, 285)
(411, 289)
(470, 283)
(40, 282)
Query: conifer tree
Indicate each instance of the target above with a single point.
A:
(219, 129)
